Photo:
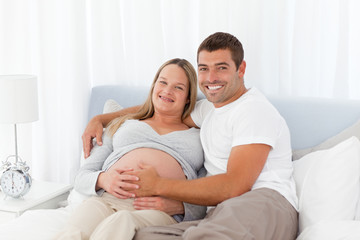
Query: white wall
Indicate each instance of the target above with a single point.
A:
(292, 47)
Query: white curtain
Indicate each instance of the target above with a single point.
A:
(292, 47)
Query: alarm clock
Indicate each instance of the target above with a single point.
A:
(15, 180)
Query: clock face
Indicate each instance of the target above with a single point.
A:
(13, 183)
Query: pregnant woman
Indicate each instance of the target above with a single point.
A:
(156, 136)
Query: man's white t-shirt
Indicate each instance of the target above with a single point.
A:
(249, 119)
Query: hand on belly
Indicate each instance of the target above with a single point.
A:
(164, 163)
(115, 182)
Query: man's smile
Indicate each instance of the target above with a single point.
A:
(214, 87)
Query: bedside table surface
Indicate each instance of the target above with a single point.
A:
(39, 192)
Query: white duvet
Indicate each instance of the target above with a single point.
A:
(44, 224)
(40, 224)
(35, 224)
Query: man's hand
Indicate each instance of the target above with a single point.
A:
(94, 129)
(166, 205)
(148, 178)
(112, 181)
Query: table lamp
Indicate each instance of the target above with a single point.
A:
(18, 104)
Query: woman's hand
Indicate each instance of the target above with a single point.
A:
(112, 181)
(166, 205)
(94, 129)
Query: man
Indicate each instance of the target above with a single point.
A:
(247, 155)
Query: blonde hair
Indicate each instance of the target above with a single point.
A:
(147, 109)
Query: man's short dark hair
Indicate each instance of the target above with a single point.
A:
(222, 40)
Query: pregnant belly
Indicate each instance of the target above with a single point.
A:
(164, 163)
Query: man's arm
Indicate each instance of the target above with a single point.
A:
(244, 166)
(94, 129)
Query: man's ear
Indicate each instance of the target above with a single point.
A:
(242, 68)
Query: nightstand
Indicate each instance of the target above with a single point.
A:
(42, 195)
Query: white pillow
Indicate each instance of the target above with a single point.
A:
(111, 106)
(75, 197)
(327, 183)
(332, 230)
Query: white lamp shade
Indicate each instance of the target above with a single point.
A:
(18, 99)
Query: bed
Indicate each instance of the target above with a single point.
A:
(326, 157)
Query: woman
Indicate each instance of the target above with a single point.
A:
(156, 136)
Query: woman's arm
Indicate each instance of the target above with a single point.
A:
(86, 179)
(92, 180)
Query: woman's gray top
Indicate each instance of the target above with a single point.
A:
(184, 146)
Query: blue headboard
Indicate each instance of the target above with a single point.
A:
(311, 120)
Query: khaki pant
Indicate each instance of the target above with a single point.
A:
(261, 214)
(108, 217)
